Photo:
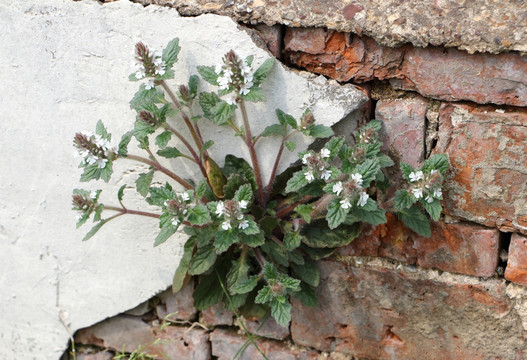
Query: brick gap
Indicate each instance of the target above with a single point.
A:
(504, 243)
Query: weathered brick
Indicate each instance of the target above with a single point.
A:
(131, 333)
(377, 311)
(436, 72)
(270, 329)
(216, 315)
(225, 345)
(101, 355)
(272, 37)
(516, 270)
(459, 248)
(488, 155)
(180, 304)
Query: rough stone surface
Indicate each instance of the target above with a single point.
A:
(516, 270)
(436, 72)
(225, 345)
(179, 305)
(459, 248)
(376, 311)
(216, 315)
(272, 37)
(130, 333)
(103, 355)
(270, 329)
(487, 147)
(479, 25)
(64, 65)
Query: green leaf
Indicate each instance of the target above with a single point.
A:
(163, 139)
(276, 252)
(297, 181)
(94, 230)
(268, 224)
(252, 228)
(318, 254)
(319, 236)
(184, 263)
(169, 153)
(290, 284)
(261, 73)
(158, 195)
(307, 295)
(146, 97)
(252, 240)
(290, 145)
(308, 273)
(120, 193)
(374, 124)
(93, 172)
(205, 146)
(224, 239)
(193, 85)
(202, 260)
(374, 217)
(415, 220)
(204, 191)
(245, 286)
(334, 145)
(296, 257)
(264, 295)
(244, 193)
(385, 161)
(275, 129)
(433, 209)
(233, 183)
(123, 144)
(238, 273)
(208, 292)
(382, 182)
(255, 94)
(199, 215)
(304, 211)
(436, 162)
(235, 165)
(292, 240)
(368, 169)
(403, 200)
(336, 214)
(221, 112)
(406, 169)
(164, 234)
(320, 131)
(202, 235)
(286, 119)
(101, 130)
(170, 52)
(142, 130)
(208, 74)
(281, 311)
(207, 101)
(143, 183)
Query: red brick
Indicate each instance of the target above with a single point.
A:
(378, 312)
(131, 333)
(270, 329)
(272, 36)
(225, 345)
(459, 248)
(488, 155)
(180, 304)
(436, 72)
(216, 315)
(516, 270)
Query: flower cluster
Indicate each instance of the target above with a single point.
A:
(233, 214)
(351, 190)
(148, 63)
(178, 207)
(84, 202)
(317, 165)
(427, 186)
(94, 149)
(234, 74)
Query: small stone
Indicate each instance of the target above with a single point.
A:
(179, 305)
(216, 315)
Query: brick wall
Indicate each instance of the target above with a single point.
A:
(392, 294)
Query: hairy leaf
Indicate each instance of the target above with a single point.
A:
(143, 183)
(184, 263)
(202, 260)
(415, 220)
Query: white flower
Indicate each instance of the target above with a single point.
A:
(309, 176)
(245, 68)
(91, 159)
(160, 69)
(337, 188)
(185, 196)
(175, 221)
(248, 78)
(363, 199)
(326, 174)
(224, 82)
(239, 217)
(149, 84)
(93, 194)
(438, 193)
(140, 73)
(416, 176)
(220, 209)
(357, 178)
(79, 216)
(218, 69)
(418, 193)
(325, 153)
(243, 225)
(243, 204)
(231, 100)
(433, 172)
(112, 148)
(81, 153)
(429, 199)
(245, 89)
(305, 158)
(345, 204)
(226, 225)
(101, 163)
(166, 203)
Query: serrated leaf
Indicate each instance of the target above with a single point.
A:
(94, 230)
(170, 52)
(433, 209)
(252, 240)
(244, 193)
(208, 292)
(235, 165)
(336, 214)
(415, 220)
(203, 190)
(158, 195)
(221, 112)
(207, 101)
(142, 130)
(403, 200)
(304, 211)
(255, 94)
(261, 73)
(82, 220)
(320, 131)
(374, 124)
(93, 172)
(202, 260)
(368, 169)
(143, 183)
(170, 153)
(307, 295)
(274, 130)
(208, 74)
(406, 169)
(264, 295)
(374, 217)
(163, 139)
(245, 286)
(318, 253)
(199, 215)
(276, 252)
(224, 239)
(297, 181)
(319, 236)
(290, 145)
(251, 229)
(292, 240)
(123, 144)
(120, 193)
(98, 211)
(385, 161)
(101, 130)
(436, 162)
(334, 145)
(193, 81)
(281, 311)
(145, 97)
(238, 273)
(286, 119)
(205, 146)
(233, 183)
(165, 234)
(202, 235)
(181, 271)
(308, 273)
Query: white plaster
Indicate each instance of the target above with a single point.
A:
(64, 65)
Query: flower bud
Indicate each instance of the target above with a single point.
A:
(184, 93)
(307, 120)
(148, 118)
